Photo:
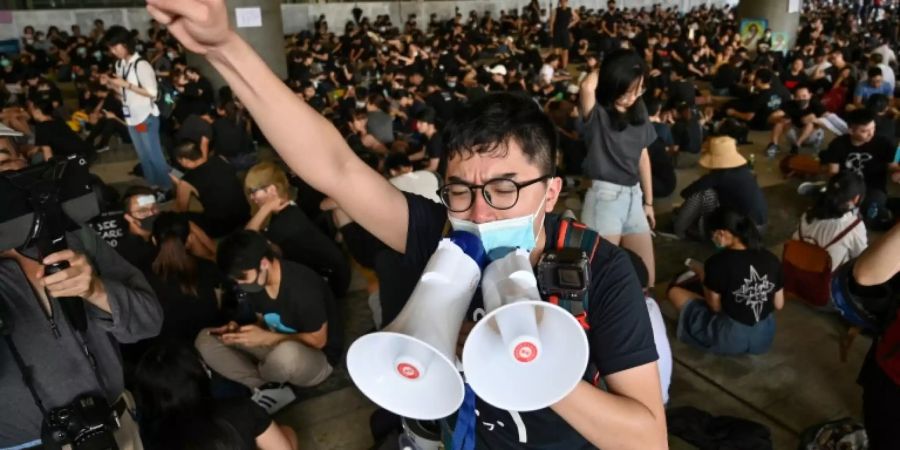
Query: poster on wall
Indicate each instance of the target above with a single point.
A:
(780, 41)
(794, 6)
(752, 30)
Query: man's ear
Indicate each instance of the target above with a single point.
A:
(553, 190)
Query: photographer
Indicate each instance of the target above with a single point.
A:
(64, 363)
(501, 144)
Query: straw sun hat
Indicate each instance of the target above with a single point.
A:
(721, 153)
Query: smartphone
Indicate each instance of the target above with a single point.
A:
(176, 173)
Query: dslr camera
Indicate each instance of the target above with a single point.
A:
(88, 423)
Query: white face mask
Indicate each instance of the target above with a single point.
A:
(503, 236)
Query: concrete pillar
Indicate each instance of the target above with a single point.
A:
(267, 40)
(776, 12)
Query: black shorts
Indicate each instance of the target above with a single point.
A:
(881, 409)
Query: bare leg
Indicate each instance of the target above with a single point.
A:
(565, 59)
(642, 244)
(805, 134)
(680, 297)
(291, 436)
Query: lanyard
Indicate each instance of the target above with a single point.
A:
(125, 72)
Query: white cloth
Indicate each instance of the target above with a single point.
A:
(547, 72)
(662, 347)
(822, 232)
(887, 54)
(421, 182)
(887, 74)
(138, 73)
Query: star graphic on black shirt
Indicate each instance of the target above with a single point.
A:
(755, 292)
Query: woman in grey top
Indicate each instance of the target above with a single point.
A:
(619, 204)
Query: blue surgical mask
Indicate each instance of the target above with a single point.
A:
(503, 236)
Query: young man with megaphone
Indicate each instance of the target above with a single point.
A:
(500, 184)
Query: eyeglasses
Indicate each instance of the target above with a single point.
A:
(499, 193)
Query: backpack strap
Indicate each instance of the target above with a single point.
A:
(573, 234)
(844, 233)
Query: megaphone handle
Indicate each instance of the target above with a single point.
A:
(464, 433)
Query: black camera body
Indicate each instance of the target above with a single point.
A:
(566, 275)
(88, 423)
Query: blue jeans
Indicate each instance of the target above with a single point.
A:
(149, 150)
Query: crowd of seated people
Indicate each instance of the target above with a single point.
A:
(250, 263)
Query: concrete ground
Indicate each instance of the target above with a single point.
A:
(801, 382)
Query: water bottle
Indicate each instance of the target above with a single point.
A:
(752, 160)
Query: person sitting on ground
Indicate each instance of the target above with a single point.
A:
(835, 211)
(874, 84)
(803, 115)
(885, 117)
(763, 111)
(297, 339)
(426, 124)
(284, 224)
(730, 184)
(661, 164)
(869, 155)
(688, 135)
(215, 184)
(52, 137)
(231, 136)
(172, 390)
(742, 287)
(141, 211)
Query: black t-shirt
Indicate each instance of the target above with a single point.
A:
(194, 128)
(248, 419)
(797, 112)
(185, 314)
(726, 77)
(304, 304)
(737, 190)
(869, 160)
(303, 242)
(434, 146)
(136, 251)
(763, 104)
(791, 81)
(220, 192)
(661, 166)
(620, 336)
(747, 281)
(239, 420)
(688, 135)
(229, 139)
(60, 138)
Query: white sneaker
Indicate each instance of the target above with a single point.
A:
(809, 188)
(274, 398)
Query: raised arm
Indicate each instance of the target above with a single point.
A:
(587, 96)
(308, 143)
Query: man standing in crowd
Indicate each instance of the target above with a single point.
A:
(135, 81)
(296, 339)
(503, 145)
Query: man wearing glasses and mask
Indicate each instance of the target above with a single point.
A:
(498, 165)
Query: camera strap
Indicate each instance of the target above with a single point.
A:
(27, 378)
(573, 234)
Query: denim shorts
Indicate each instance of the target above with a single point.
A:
(612, 209)
(700, 327)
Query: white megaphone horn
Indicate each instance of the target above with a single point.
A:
(526, 354)
(409, 368)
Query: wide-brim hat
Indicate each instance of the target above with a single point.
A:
(721, 153)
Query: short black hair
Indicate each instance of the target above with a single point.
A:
(764, 76)
(396, 161)
(487, 125)
(242, 251)
(188, 150)
(860, 117)
(875, 72)
(653, 106)
(427, 115)
(119, 35)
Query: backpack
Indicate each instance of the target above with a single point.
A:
(808, 267)
(165, 93)
(801, 166)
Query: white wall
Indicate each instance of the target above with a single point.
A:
(300, 16)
